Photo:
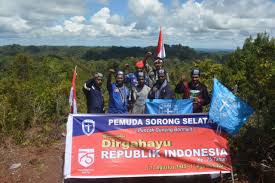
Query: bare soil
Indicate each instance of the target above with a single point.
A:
(43, 164)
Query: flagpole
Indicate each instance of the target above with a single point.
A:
(72, 98)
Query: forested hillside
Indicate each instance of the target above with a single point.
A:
(183, 53)
(35, 84)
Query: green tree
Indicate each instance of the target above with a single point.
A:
(252, 69)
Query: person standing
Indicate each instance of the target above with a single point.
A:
(152, 71)
(195, 90)
(118, 93)
(131, 76)
(94, 94)
(139, 95)
(161, 89)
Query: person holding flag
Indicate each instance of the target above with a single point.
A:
(94, 94)
(72, 98)
(158, 61)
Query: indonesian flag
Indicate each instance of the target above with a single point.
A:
(72, 99)
(160, 48)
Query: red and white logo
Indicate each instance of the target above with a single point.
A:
(86, 157)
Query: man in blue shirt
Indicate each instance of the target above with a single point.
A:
(118, 93)
(94, 94)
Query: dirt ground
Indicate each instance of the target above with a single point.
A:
(45, 165)
(37, 164)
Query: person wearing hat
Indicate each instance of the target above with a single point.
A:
(140, 68)
(94, 94)
(195, 90)
(131, 77)
(152, 71)
(139, 95)
(118, 93)
(161, 89)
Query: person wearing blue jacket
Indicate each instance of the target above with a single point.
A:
(118, 93)
(94, 94)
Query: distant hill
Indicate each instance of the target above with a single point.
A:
(212, 50)
(180, 52)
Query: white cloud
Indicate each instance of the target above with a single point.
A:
(13, 24)
(35, 11)
(73, 27)
(35, 18)
(78, 19)
(101, 16)
(104, 24)
(147, 13)
(192, 22)
(144, 7)
(101, 24)
(116, 19)
(56, 29)
(219, 21)
(175, 3)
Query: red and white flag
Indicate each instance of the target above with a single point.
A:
(160, 48)
(72, 99)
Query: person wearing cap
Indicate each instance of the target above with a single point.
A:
(152, 72)
(94, 94)
(131, 77)
(161, 89)
(140, 68)
(195, 90)
(118, 93)
(139, 95)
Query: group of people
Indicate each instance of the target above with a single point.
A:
(131, 88)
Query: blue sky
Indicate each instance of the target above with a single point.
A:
(198, 24)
